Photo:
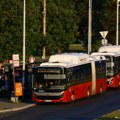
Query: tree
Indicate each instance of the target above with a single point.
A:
(10, 28)
(67, 20)
(108, 20)
(61, 25)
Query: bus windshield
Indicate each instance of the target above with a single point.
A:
(49, 79)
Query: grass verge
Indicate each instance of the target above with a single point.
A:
(111, 116)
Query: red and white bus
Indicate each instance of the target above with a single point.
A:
(67, 77)
(112, 55)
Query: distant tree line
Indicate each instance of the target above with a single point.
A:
(66, 23)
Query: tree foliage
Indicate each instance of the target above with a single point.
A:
(66, 23)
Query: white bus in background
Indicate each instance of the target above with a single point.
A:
(112, 54)
(109, 49)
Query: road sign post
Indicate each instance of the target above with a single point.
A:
(14, 96)
(104, 34)
(104, 41)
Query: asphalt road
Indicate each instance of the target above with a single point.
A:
(84, 109)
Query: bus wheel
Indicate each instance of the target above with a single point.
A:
(101, 90)
(88, 93)
(119, 83)
(72, 98)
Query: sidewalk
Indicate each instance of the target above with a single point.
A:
(8, 106)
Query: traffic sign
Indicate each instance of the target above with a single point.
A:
(16, 63)
(15, 57)
(104, 41)
(104, 34)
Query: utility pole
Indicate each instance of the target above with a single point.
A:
(90, 27)
(117, 24)
(24, 17)
(44, 28)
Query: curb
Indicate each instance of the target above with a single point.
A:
(16, 109)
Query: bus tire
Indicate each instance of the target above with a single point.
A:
(88, 93)
(72, 97)
(101, 90)
(119, 83)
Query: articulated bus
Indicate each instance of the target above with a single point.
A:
(112, 55)
(67, 77)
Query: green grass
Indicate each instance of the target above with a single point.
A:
(111, 116)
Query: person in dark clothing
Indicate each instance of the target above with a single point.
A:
(9, 84)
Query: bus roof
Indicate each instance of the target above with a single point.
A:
(97, 57)
(99, 54)
(55, 64)
(70, 59)
(112, 48)
(74, 58)
(67, 59)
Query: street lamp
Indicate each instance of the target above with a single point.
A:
(117, 23)
(23, 76)
(90, 26)
(44, 28)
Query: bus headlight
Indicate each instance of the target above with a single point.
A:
(34, 88)
(62, 95)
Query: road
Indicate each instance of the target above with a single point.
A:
(84, 109)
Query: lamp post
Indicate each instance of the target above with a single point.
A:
(90, 26)
(44, 28)
(117, 24)
(23, 76)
